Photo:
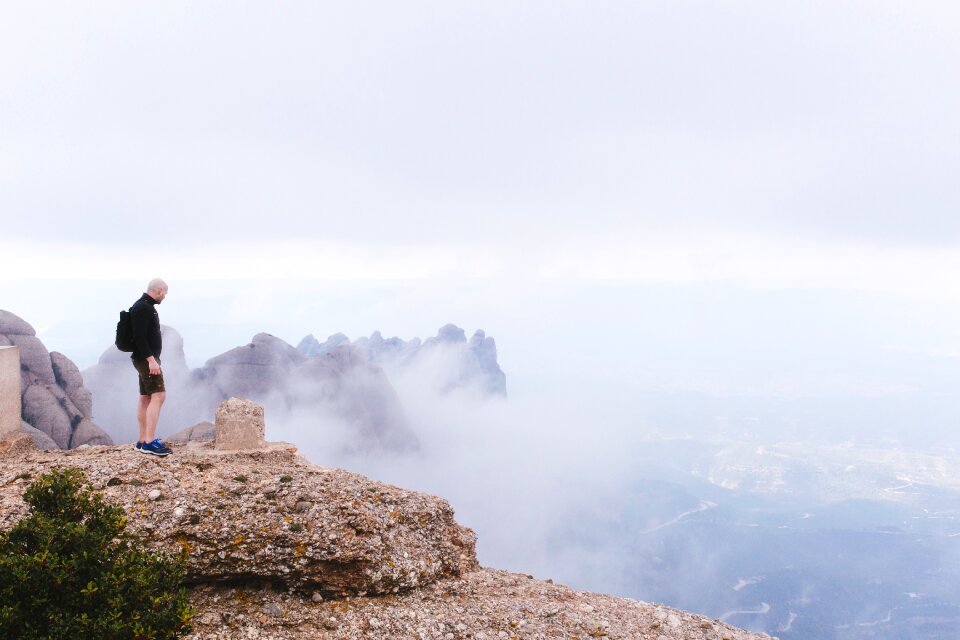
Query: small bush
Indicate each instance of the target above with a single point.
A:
(69, 570)
(286, 479)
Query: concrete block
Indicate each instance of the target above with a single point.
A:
(239, 425)
(10, 406)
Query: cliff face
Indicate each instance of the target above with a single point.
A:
(279, 548)
(57, 407)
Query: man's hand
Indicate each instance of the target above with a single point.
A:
(154, 366)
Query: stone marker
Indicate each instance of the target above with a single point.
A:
(239, 425)
(10, 408)
(12, 438)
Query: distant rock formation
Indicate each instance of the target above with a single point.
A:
(57, 407)
(339, 383)
(458, 362)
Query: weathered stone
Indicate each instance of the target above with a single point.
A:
(40, 439)
(239, 425)
(82, 399)
(65, 371)
(86, 432)
(72, 411)
(42, 410)
(199, 431)
(34, 357)
(10, 402)
(69, 379)
(11, 324)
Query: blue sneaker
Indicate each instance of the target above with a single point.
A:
(155, 447)
(139, 445)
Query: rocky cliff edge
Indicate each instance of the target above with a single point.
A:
(279, 548)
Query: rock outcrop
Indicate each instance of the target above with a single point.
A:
(453, 361)
(55, 401)
(279, 548)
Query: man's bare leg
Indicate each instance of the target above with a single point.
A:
(152, 414)
(142, 417)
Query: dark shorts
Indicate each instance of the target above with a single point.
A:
(148, 384)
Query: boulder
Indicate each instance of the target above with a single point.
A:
(43, 411)
(11, 324)
(87, 432)
(34, 357)
(66, 373)
(198, 432)
(40, 439)
(73, 412)
(82, 398)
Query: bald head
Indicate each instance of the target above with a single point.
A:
(157, 289)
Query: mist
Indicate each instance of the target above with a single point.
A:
(717, 247)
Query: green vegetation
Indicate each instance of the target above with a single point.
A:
(69, 570)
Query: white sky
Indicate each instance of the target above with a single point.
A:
(396, 149)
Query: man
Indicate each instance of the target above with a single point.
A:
(148, 343)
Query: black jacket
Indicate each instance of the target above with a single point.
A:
(146, 328)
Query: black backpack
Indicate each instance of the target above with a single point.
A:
(124, 339)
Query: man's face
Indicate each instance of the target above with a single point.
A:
(158, 294)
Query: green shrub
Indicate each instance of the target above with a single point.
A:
(70, 570)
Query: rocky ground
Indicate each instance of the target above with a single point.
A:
(278, 548)
(482, 604)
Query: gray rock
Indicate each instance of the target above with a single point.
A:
(484, 352)
(34, 357)
(82, 398)
(66, 372)
(87, 433)
(255, 370)
(69, 379)
(11, 324)
(40, 439)
(73, 412)
(200, 431)
(5, 341)
(448, 334)
(42, 410)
